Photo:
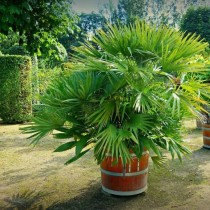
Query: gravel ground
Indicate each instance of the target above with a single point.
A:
(36, 178)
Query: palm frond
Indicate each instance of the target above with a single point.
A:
(129, 89)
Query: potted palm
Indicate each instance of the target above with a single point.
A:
(125, 98)
(206, 128)
(204, 77)
(204, 123)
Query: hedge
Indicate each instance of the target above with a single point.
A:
(16, 50)
(15, 88)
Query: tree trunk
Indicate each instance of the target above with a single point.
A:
(21, 38)
(35, 80)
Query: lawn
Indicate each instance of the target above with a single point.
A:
(36, 178)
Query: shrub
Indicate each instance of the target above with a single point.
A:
(57, 55)
(16, 50)
(45, 76)
(67, 68)
(15, 88)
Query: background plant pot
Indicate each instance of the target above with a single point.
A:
(125, 181)
(198, 124)
(206, 136)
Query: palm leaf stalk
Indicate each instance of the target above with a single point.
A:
(130, 89)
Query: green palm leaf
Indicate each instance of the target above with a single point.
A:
(129, 90)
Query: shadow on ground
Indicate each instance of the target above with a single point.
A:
(170, 185)
(78, 186)
(26, 201)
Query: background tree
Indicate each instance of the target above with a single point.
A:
(8, 41)
(197, 21)
(39, 22)
(109, 11)
(87, 25)
(91, 22)
(169, 12)
(126, 11)
(129, 9)
(37, 25)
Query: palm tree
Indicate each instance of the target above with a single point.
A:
(130, 89)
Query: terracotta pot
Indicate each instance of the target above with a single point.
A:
(206, 136)
(125, 181)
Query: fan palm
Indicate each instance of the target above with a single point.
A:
(130, 88)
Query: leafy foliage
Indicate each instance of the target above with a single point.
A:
(126, 11)
(197, 20)
(205, 59)
(8, 41)
(57, 55)
(129, 93)
(15, 88)
(153, 11)
(87, 25)
(38, 23)
(45, 76)
(91, 22)
(16, 50)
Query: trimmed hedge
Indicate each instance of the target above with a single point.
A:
(15, 88)
(16, 50)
